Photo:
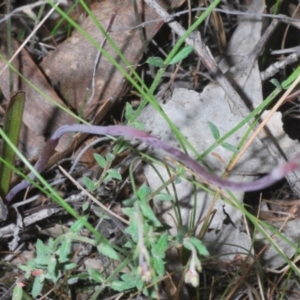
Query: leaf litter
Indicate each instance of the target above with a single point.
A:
(212, 106)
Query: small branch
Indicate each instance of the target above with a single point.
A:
(274, 68)
(281, 18)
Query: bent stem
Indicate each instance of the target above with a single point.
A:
(133, 133)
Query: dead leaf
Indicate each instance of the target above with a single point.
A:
(70, 66)
(41, 117)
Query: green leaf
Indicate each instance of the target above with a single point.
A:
(112, 174)
(85, 206)
(164, 197)
(52, 266)
(180, 170)
(128, 111)
(53, 273)
(132, 229)
(72, 280)
(64, 250)
(90, 185)
(130, 280)
(149, 214)
(79, 224)
(139, 125)
(35, 264)
(43, 253)
(156, 62)
(70, 266)
(36, 287)
(110, 157)
(100, 214)
(119, 286)
(161, 245)
(75, 278)
(12, 126)
(143, 192)
(140, 284)
(129, 202)
(276, 83)
(51, 243)
(108, 251)
(100, 160)
(214, 130)
(230, 147)
(26, 269)
(17, 292)
(96, 275)
(182, 54)
(120, 146)
(158, 253)
(129, 211)
(159, 265)
(150, 292)
(40, 262)
(200, 247)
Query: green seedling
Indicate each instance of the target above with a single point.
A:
(53, 260)
(182, 54)
(216, 134)
(107, 173)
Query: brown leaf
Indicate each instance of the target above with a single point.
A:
(70, 66)
(41, 117)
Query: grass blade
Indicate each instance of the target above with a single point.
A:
(12, 126)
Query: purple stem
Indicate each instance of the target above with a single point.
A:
(133, 133)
